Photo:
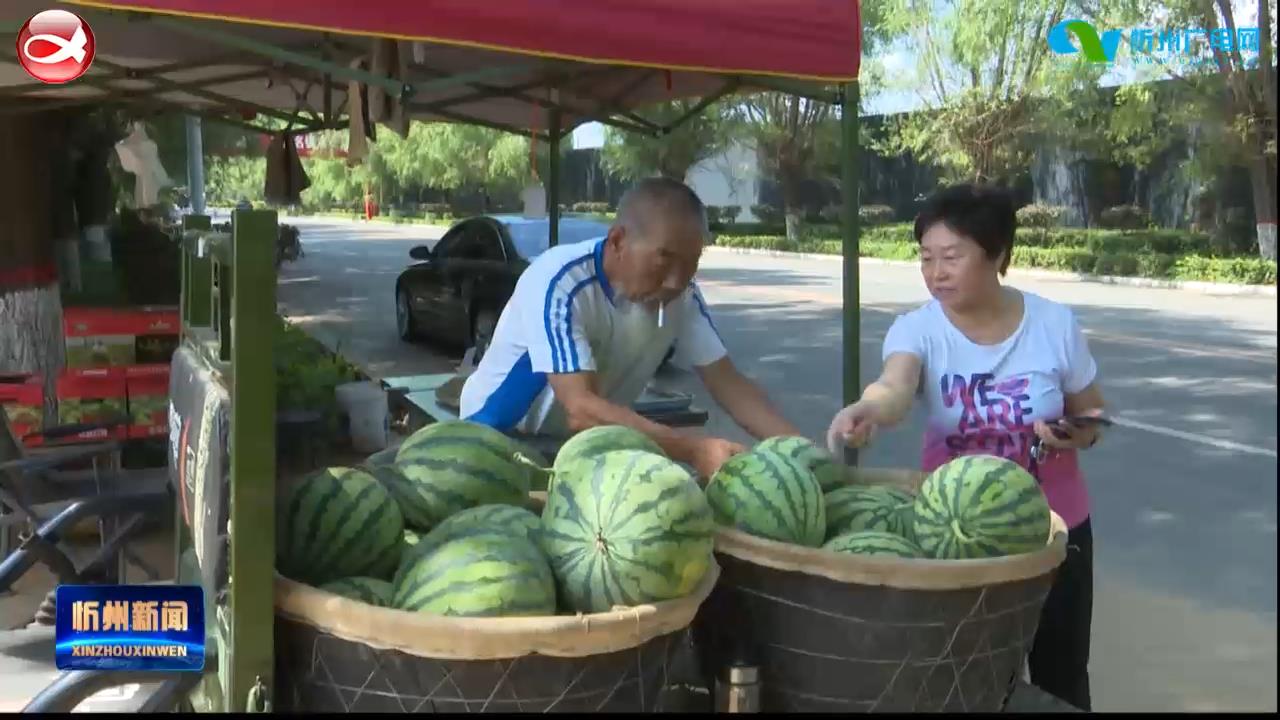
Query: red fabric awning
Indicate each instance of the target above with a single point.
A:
(805, 39)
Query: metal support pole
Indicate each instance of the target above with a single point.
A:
(195, 165)
(850, 166)
(553, 180)
(253, 460)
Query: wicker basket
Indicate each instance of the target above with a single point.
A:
(843, 633)
(338, 655)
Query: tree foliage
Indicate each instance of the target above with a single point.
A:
(632, 156)
(987, 82)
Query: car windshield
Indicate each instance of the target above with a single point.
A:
(530, 238)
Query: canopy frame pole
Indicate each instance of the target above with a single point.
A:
(210, 32)
(553, 180)
(163, 84)
(806, 91)
(850, 165)
(492, 91)
(253, 451)
(703, 104)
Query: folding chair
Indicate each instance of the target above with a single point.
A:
(47, 492)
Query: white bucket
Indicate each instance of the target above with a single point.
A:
(365, 404)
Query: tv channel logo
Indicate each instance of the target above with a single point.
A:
(55, 46)
(130, 627)
(1170, 45)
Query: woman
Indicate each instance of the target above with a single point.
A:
(1000, 369)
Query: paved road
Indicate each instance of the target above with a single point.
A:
(1184, 490)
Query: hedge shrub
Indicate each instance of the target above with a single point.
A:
(885, 243)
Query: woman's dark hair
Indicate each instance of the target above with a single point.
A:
(983, 214)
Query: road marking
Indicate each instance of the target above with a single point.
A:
(1195, 438)
(1264, 357)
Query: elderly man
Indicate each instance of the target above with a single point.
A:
(590, 323)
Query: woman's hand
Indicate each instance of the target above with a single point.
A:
(1066, 435)
(853, 426)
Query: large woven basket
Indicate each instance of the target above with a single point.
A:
(845, 633)
(338, 655)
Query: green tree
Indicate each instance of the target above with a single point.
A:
(787, 131)
(1231, 92)
(632, 156)
(985, 76)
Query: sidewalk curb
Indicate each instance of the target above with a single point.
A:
(1205, 288)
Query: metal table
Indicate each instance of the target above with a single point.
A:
(419, 396)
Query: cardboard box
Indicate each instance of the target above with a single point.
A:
(147, 387)
(90, 396)
(23, 399)
(156, 331)
(118, 337)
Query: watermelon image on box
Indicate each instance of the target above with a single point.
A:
(156, 335)
(93, 396)
(98, 337)
(147, 388)
(23, 399)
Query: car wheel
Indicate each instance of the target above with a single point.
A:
(482, 328)
(405, 325)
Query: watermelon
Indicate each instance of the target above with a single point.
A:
(769, 495)
(381, 458)
(980, 506)
(483, 520)
(603, 438)
(626, 527)
(826, 469)
(337, 523)
(481, 576)
(371, 591)
(874, 542)
(412, 499)
(867, 507)
(411, 539)
(457, 465)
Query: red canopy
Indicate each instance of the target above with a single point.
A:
(809, 39)
(499, 64)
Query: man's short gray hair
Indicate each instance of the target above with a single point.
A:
(659, 195)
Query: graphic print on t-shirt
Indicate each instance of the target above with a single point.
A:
(994, 417)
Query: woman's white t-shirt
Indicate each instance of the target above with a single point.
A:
(985, 399)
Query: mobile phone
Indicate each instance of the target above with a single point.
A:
(1086, 420)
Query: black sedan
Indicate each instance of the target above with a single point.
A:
(458, 289)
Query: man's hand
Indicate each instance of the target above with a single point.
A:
(710, 453)
(744, 400)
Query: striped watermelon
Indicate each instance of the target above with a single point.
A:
(411, 539)
(626, 527)
(830, 474)
(413, 499)
(482, 576)
(337, 523)
(382, 457)
(457, 465)
(770, 495)
(371, 591)
(874, 542)
(601, 439)
(506, 521)
(980, 506)
(868, 507)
